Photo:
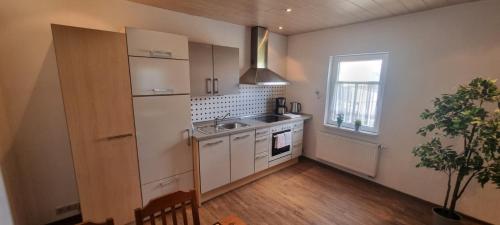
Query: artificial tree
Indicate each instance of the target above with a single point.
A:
(471, 115)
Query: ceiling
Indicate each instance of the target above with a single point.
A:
(305, 15)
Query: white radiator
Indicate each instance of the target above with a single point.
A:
(353, 154)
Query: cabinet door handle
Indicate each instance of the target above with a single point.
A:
(295, 145)
(259, 133)
(189, 137)
(209, 85)
(242, 137)
(216, 86)
(295, 131)
(167, 90)
(165, 183)
(160, 54)
(213, 143)
(261, 156)
(260, 140)
(119, 136)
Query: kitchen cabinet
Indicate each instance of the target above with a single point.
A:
(148, 43)
(242, 155)
(297, 137)
(153, 76)
(262, 146)
(95, 85)
(226, 70)
(214, 70)
(261, 161)
(163, 152)
(160, 89)
(181, 182)
(214, 159)
(201, 69)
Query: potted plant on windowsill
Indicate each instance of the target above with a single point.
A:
(340, 119)
(471, 115)
(357, 125)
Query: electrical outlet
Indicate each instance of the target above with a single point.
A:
(68, 208)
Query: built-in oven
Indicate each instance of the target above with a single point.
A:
(280, 147)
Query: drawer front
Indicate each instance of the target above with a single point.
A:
(261, 161)
(298, 125)
(280, 160)
(181, 182)
(262, 144)
(156, 44)
(297, 136)
(151, 76)
(296, 150)
(262, 132)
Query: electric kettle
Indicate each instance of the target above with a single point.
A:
(295, 107)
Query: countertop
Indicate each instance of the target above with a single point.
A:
(252, 125)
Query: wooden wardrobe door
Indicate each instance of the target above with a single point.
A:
(95, 84)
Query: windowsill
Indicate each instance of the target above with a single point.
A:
(350, 130)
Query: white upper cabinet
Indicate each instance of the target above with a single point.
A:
(152, 76)
(148, 43)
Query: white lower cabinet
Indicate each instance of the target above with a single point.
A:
(261, 161)
(296, 150)
(242, 155)
(215, 164)
(297, 137)
(262, 144)
(230, 158)
(181, 182)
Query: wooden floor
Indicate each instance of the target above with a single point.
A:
(311, 193)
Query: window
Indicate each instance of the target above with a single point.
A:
(355, 84)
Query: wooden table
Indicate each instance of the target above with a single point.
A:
(231, 220)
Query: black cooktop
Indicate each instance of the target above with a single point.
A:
(271, 118)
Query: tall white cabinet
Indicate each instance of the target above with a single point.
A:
(159, 70)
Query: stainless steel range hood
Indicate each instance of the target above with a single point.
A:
(259, 74)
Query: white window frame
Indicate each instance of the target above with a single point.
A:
(333, 74)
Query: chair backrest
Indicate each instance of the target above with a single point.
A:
(107, 222)
(161, 205)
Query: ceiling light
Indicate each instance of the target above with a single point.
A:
(288, 10)
(280, 27)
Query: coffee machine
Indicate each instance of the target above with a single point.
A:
(280, 106)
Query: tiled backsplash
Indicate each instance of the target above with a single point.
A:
(251, 100)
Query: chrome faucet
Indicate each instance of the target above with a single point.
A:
(217, 119)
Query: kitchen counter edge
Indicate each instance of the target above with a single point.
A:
(252, 125)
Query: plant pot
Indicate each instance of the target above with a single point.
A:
(439, 219)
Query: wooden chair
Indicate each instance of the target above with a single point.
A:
(107, 222)
(161, 205)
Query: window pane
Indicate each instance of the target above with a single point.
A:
(343, 102)
(366, 104)
(360, 71)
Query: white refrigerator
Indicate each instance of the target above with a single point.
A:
(160, 89)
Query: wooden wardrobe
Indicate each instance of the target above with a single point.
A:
(95, 84)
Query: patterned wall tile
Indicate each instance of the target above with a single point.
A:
(251, 100)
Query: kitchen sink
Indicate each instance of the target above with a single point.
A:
(211, 129)
(233, 125)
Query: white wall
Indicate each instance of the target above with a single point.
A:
(42, 176)
(430, 53)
